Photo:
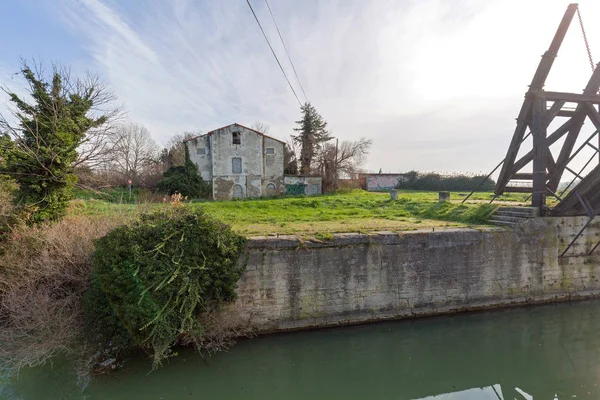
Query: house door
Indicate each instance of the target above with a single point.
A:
(238, 192)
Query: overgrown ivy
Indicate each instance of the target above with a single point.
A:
(44, 149)
(153, 279)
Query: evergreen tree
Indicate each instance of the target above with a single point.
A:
(184, 179)
(312, 133)
(42, 154)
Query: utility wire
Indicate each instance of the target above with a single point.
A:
(286, 51)
(273, 51)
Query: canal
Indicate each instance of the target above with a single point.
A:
(544, 352)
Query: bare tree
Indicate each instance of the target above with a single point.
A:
(135, 152)
(342, 159)
(261, 127)
(290, 158)
(174, 152)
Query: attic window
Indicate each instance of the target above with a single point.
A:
(237, 137)
(201, 151)
(270, 150)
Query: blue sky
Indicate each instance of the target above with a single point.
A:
(436, 84)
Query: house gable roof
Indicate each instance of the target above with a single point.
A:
(236, 124)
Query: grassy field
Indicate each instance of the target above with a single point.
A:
(355, 211)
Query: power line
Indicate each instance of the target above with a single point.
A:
(273, 51)
(286, 50)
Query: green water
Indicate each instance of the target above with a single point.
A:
(543, 352)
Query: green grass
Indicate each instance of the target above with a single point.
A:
(355, 211)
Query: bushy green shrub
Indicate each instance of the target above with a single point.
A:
(432, 181)
(158, 276)
(185, 180)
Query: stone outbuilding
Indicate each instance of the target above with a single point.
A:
(303, 185)
(239, 162)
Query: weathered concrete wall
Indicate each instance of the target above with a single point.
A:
(273, 186)
(383, 182)
(200, 154)
(261, 162)
(272, 181)
(313, 185)
(273, 159)
(355, 278)
(224, 151)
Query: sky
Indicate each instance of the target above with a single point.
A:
(435, 84)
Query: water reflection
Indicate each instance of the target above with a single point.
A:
(548, 352)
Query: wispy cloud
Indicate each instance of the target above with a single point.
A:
(435, 84)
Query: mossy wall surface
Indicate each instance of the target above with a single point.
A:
(353, 278)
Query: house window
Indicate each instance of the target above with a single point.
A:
(237, 137)
(201, 151)
(236, 165)
(270, 150)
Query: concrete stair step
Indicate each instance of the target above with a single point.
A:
(530, 211)
(512, 214)
(508, 218)
(501, 222)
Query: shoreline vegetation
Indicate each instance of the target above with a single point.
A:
(47, 268)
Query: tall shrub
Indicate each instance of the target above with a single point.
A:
(159, 276)
(185, 180)
(432, 181)
(54, 132)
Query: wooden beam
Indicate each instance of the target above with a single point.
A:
(518, 189)
(540, 150)
(587, 187)
(593, 114)
(524, 176)
(543, 69)
(550, 163)
(577, 120)
(537, 84)
(552, 138)
(553, 112)
(515, 144)
(569, 97)
(565, 113)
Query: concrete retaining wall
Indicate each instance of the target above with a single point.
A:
(355, 278)
(383, 182)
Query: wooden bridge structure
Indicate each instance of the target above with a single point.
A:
(537, 169)
(540, 108)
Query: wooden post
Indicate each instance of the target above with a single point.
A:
(540, 153)
(537, 83)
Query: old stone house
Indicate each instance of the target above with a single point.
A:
(239, 162)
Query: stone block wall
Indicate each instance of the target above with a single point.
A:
(290, 284)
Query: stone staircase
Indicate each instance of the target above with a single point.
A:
(511, 216)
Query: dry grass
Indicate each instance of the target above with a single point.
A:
(221, 329)
(43, 274)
